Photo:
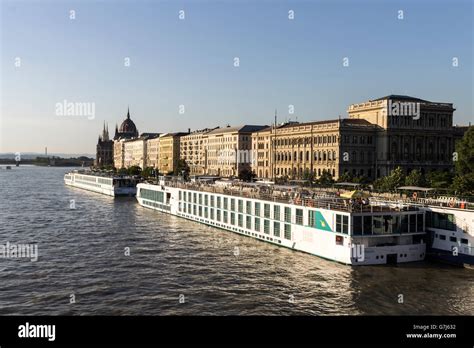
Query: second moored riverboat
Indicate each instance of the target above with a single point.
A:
(111, 185)
(320, 224)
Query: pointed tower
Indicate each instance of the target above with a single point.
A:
(105, 134)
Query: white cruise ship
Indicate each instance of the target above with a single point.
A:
(324, 226)
(449, 224)
(107, 185)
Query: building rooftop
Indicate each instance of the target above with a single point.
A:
(243, 129)
(402, 98)
(344, 121)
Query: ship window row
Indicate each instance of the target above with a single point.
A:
(152, 195)
(440, 220)
(86, 178)
(387, 224)
(252, 208)
(87, 183)
(105, 181)
(251, 223)
(452, 239)
(157, 205)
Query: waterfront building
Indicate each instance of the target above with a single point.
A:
(379, 136)
(169, 152)
(104, 149)
(135, 150)
(305, 150)
(193, 149)
(152, 151)
(411, 133)
(127, 130)
(229, 150)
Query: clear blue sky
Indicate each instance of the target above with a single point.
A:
(190, 62)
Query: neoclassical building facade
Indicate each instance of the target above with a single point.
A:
(304, 150)
(422, 139)
(379, 135)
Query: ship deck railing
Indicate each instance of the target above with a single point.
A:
(318, 200)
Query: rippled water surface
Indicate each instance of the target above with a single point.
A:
(81, 252)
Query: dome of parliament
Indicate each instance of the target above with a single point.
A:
(127, 129)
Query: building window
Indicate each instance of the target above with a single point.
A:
(453, 239)
(249, 207)
(241, 220)
(241, 206)
(232, 218)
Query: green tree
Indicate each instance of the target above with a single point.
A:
(390, 182)
(438, 179)
(395, 179)
(182, 169)
(134, 170)
(246, 175)
(148, 172)
(282, 180)
(308, 175)
(325, 179)
(346, 177)
(122, 171)
(464, 164)
(415, 178)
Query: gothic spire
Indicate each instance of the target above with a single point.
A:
(128, 113)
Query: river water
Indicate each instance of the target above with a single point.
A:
(179, 267)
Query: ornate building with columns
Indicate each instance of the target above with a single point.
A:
(411, 133)
(379, 135)
(303, 150)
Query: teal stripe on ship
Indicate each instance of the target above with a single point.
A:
(320, 222)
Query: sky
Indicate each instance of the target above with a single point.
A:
(141, 54)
